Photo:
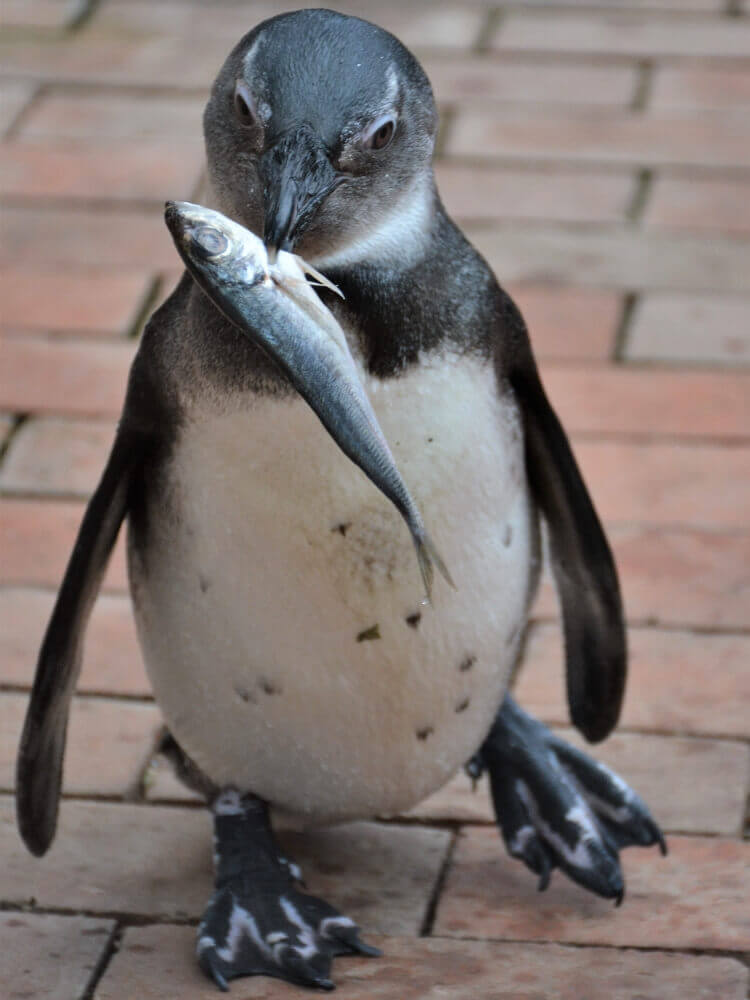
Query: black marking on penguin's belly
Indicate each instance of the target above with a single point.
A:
(414, 619)
(245, 694)
(268, 686)
(467, 663)
(373, 632)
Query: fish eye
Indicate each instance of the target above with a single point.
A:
(379, 133)
(244, 106)
(210, 240)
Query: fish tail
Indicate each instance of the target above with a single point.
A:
(427, 555)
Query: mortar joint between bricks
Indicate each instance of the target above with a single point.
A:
(431, 910)
(623, 327)
(489, 29)
(22, 114)
(19, 419)
(82, 11)
(643, 84)
(644, 181)
(111, 948)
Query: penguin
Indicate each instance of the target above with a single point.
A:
(276, 598)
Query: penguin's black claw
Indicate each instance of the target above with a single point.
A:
(257, 921)
(558, 808)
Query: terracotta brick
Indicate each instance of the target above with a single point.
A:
(15, 95)
(146, 42)
(54, 455)
(72, 377)
(580, 135)
(693, 328)
(700, 205)
(157, 963)
(110, 57)
(36, 539)
(76, 239)
(124, 172)
(682, 791)
(50, 957)
(113, 857)
(681, 682)
(686, 578)
(712, 6)
(440, 25)
(694, 898)
(707, 87)
(677, 577)
(472, 79)
(649, 402)
(622, 34)
(451, 25)
(657, 483)
(484, 193)
(55, 302)
(76, 115)
(626, 259)
(36, 13)
(568, 323)
(382, 876)
(145, 21)
(108, 745)
(628, 6)
(143, 42)
(112, 661)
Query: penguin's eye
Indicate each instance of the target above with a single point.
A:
(211, 241)
(244, 105)
(379, 133)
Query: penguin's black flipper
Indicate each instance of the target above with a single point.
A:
(558, 808)
(257, 921)
(585, 573)
(40, 755)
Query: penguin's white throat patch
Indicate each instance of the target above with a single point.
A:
(402, 234)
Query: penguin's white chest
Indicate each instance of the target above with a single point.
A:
(280, 611)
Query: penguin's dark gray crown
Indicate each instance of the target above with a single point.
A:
(318, 128)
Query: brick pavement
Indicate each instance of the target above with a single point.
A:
(599, 152)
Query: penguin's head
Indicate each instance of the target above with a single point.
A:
(319, 134)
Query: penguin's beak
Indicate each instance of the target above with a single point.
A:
(297, 177)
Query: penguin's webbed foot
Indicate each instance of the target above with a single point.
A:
(258, 922)
(558, 808)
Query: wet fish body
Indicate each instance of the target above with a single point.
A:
(275, 306)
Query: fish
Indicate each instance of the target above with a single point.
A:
(273, 303)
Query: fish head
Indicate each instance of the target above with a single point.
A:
(320, 131)
(212, 245)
